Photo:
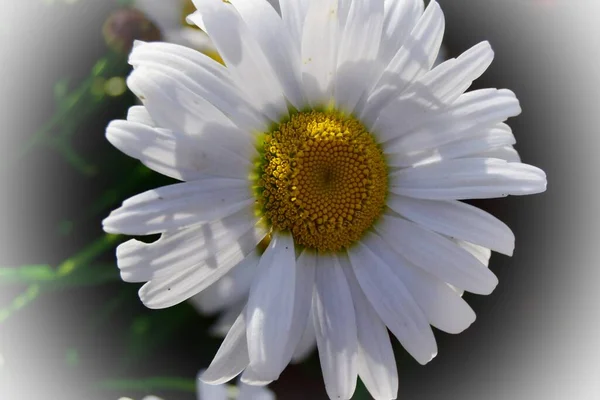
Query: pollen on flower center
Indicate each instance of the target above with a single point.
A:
(322, 177)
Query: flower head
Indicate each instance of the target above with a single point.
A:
(328, 158)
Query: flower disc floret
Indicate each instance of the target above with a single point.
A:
(322, 177)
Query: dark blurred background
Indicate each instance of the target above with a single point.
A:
(69, 329)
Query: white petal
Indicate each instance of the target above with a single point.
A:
(243, 57)
(205, 391)
(190, 37)
(176, 250)
(270, 33)
(167, 291)
(308, 341)
(400, 19)
(270, 308)
(343, 12)
(275, 5)
(178, 206)
(232, 356)
(506, 153)
(376, 362)
(251, 377)
(319, 51)
(163, 153)
(248, 392)
(481, 253)
(230, 289)
(175, 154)
(487, 143)
(453, 77)
(171, 103)
(140, 115)
(431, 128)
(394, 304)
(358, 49)
(442, 306)
(436, 254)
(469, 178)
(293, 13)
(207, 78)
(458, 220)
(414, 59)
(335, 326)
(305, 282)
(196, 19)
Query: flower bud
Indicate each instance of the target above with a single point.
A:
(126, 25)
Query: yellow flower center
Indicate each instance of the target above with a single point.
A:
(322, 177)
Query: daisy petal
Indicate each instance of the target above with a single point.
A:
(458, 220)
(487, 143)
(305, 282)
(249, 392)
(232, 356)
(174, 250)
(270, 33)
(179, 205)
(293, 13)
(189, 37)
(207, 78)
(428, 129)
(400, 19)
(469, 178)
(343, 12)
(436, 255)
(376, 362)
(357, 52)
(270, 308)
(251, 377)
(506, 153)
(442, 306)
(481, 253)
(394, 304)
(207, 391)
(140, 115)
(414, 59)
(335, 326)
(175, 154)
(453, 77)
(307, 343)
(319, 51)
(172, 104)
(229, 290)
(182, 284)
(243, 56)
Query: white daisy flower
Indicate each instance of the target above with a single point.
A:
(328, 138)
